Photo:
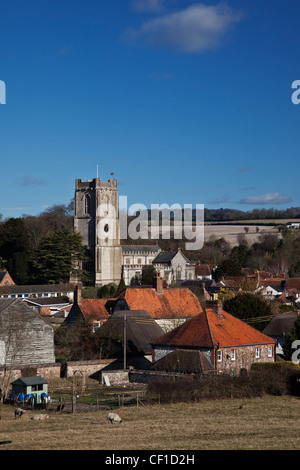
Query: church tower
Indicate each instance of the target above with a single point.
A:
(96, 218)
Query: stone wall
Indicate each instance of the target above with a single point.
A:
(89, 368)
(114, 377)
(47, 371)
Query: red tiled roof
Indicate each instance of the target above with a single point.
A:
(293, 283)
(177, 302)
(208, 330)
(192, 333)
(94, 309)
(202, 270)
(271, 282)
(231, 331)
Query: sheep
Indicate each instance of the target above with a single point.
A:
(19, 412)
(113, 418)
(40, 417)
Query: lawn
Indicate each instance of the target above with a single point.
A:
(264, 423)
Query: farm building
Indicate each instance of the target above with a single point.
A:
(138, 330)
(25, 338)
(29, 387)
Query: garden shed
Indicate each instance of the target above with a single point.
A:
(30, 387)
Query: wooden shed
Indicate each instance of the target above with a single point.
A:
(25, 388)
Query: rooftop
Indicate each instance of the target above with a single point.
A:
(212, 330)
(177, 302)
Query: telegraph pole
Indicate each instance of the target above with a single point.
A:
(124, 340)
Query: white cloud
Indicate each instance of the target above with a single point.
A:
(270, 198)
(192, 30)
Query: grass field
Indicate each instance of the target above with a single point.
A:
(265, 423)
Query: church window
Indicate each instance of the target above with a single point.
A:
(87, 204)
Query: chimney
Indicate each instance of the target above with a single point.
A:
(219, 309)
(77, 295)
(158, 283)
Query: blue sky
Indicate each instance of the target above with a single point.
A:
(186, 102)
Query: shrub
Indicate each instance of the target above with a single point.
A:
(277, 380)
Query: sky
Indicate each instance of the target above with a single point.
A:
(186, 102)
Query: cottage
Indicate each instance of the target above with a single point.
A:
(228, 343)
(169, 307)
(29, 387)
(279, 328)
(93, 311)
(203, 272)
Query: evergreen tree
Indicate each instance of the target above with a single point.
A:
(249, 307)
(15, 249)
(57, 257)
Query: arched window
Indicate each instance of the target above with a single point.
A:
(87, 204)
(178, 273)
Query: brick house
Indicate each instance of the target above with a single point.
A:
(228, 343)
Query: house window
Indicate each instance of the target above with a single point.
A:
(219, 356)
(257, 352)
(232, 354)
(270, 351)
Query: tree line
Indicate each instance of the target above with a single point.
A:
(45, 249)
(220, 215)
(42, 249)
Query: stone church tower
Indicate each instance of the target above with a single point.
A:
(96, 218)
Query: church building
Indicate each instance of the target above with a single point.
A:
(96, 218)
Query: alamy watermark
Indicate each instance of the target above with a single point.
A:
(296, 94)
(296, 354)
(161, 221)
(2, 92)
